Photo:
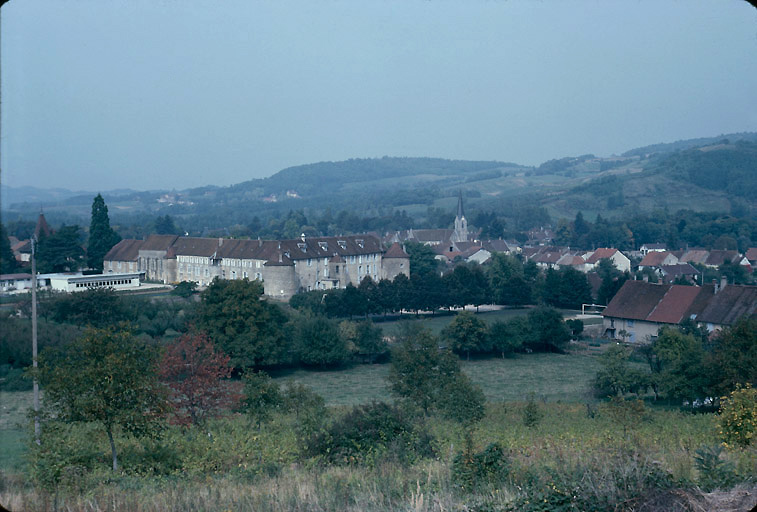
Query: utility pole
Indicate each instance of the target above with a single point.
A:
(34, 339)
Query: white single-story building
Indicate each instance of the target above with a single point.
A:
(77, 283)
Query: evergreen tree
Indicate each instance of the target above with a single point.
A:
(101, 236)
(7, 259)
(60, 252)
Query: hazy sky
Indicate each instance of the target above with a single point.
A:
(104, 94)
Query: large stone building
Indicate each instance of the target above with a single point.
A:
(284, 266)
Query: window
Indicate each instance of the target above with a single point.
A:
(630, 323)
(257, 264)
(310, 262)
(244, 275)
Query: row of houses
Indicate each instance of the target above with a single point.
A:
(284, 266)
(640, 309)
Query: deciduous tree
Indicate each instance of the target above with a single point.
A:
(107, 377)
(196, 371)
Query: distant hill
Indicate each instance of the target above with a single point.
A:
(706, 174)
(669, 147)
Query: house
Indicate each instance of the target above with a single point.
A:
(693, 256)
(639, 309)
(620, 260)
(751, 256)
(656, 259)
(15, 282)
(670, 273)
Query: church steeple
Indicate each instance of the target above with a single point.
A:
(461, 224)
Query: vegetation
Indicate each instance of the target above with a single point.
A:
(106, 377)
(101, 236)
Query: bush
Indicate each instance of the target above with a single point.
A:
(532, 415)
(368, 434)
(714, 472)
(13, 379)
(261, 397)
(487, 467)
(738, 417)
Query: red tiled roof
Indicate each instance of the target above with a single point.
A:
(125, 250)
(601, 253)
(654, 259)
(636, 300)
(396, 251)
(718, 257)
(158, 242)
(674, 304)
(751, 254)
(729, 304)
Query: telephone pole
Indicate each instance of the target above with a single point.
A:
(34, 339)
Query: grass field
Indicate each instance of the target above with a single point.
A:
(551, 377)
(13, 408)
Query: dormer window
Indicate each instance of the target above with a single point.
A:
(303, 246)
(360, 243)
(342, 244)
(324, 246)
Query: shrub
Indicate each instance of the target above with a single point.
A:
(261, 397)
(532, 415)
(368, 434)
(714, 472)
(487, 467)
(738, 417)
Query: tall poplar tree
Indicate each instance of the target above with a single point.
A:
(101, 237)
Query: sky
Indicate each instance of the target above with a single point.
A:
(164, 94)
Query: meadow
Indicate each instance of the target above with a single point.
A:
(578, 456)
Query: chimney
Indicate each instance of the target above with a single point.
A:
(646, 278)
(220, 242)
(723, 282)
(715, 285)
(302, 236)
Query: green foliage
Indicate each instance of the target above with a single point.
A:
(714, 471)
(369, 434)
(244, 325)
(422, 259)
(419, 369)
(734, 357)
(625, 413)
(506, 338)
(566, 288)
(184, 289)
(317, 341)
(366, 340)
(108, 377)
(532, 414)
(13, 379)
(164, 225)
(508, 281)
(576, 326)
(309, 407)
(466, 334)
(680, 365)
(549, 332)
(616, 377)
(262, 397)
(8, 263)
(61, 251)
(16, 335)
(98, 307)
(462, 401)
(101, 236)
(738, 417)
(488, 467)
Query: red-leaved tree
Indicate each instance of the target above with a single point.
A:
(196, 372)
